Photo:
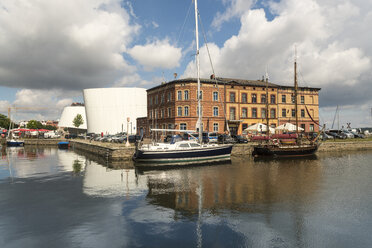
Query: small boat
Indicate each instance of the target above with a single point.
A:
(63, 145)
(14, 142)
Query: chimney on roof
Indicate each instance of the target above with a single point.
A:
(263, 78)
(175, 75)
(212, 76)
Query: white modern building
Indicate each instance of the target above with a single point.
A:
(114, 110)
(68, 115)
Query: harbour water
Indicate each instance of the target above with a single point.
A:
(59, 198)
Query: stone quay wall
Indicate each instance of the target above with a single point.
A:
(43, 142)
(345, 146)
(109, 151)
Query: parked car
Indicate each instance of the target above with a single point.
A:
(226, 139)
(51, 135)
(348, 134)
(196, 137)
(322, 136)
(106, 138)
(239, 139)
(71, 136)
(336, 135)
(133, 138)
(358, 135)
(213, 137)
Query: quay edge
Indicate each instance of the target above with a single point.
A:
(119, 152)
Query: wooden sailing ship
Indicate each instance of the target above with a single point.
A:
(286, 148)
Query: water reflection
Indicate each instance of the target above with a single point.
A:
(244, 186)
(67, 199)
(33, 161)
(105, 182)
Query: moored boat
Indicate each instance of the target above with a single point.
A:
(288, 147)
(63, 145)
(284, 150)
(14, 142)
(183, 152)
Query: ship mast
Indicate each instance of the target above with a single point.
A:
(267, 104)
(198, 71)
(295, 92)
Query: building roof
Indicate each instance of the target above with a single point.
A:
(228, 81)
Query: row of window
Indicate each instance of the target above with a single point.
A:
(183, 126)
(184, 95)
(285, 113)
(154, 113)
(254, 113)
(185, 111)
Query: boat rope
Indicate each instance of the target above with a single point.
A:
(307, 110)
(213, 73)
(184, 23)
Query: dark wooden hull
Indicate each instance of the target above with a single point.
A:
(284, 151)
(145, 158)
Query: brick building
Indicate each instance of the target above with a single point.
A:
(173, 105)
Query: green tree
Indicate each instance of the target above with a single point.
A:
(4, 121)
(50, 127)
(33, 124)
(78, 121)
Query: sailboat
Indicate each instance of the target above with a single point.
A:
(183, 152)
(276, 148)
(11, 139)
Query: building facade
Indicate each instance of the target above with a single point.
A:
(226, 103)
(114, 110)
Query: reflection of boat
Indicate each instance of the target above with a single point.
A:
(63, 145)
(289, 148)
(183, 152)
(285, 158)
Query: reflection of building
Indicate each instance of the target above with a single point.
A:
(103, 182)
(174, 104)
(108, 109)
(68, 115)
(236, 189)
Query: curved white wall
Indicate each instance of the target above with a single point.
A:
(68, 115)
(107, 109)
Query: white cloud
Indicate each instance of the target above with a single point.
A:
(39, 104)
(154, 24)
(159, 54)
(327, 56)
(333, 47)
(235, 8)
(64, 43)
(4, 106)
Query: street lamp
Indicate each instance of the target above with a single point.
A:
(127, 144)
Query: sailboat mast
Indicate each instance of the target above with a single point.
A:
(267, 104)
(198, 70)
(295, 90)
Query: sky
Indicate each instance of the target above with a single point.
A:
(51, 50)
